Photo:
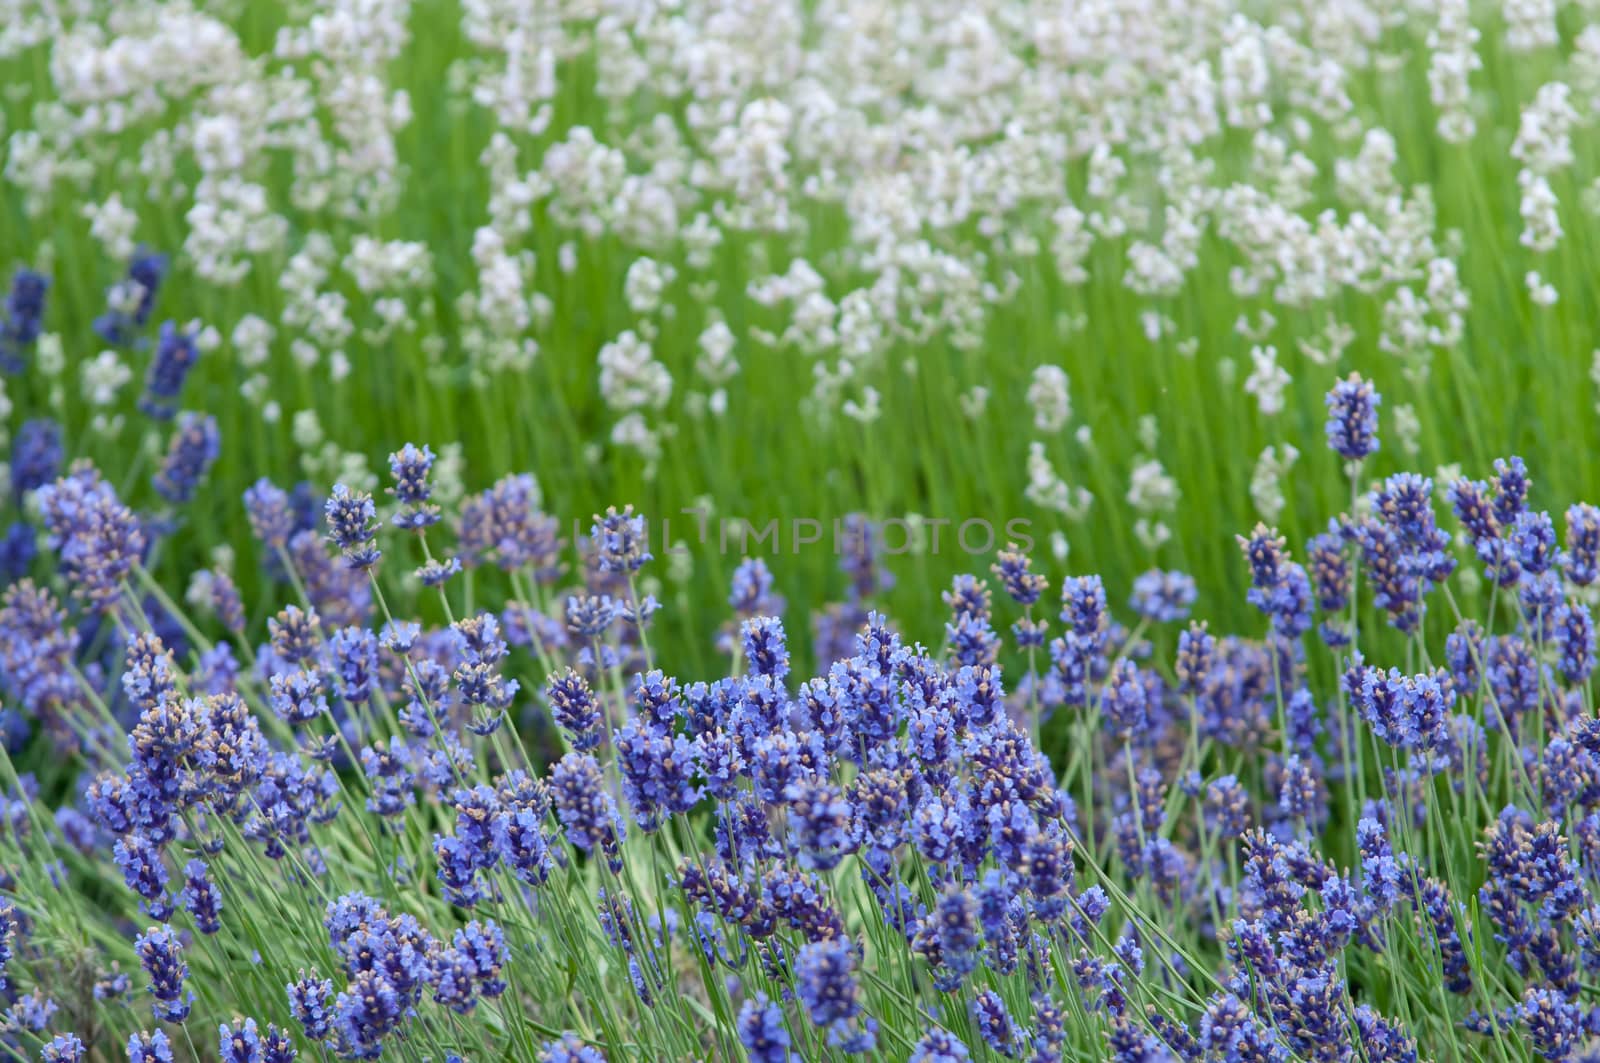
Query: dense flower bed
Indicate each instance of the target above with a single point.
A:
(471, 815)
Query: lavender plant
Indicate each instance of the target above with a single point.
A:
(919, 273)
(467, 812)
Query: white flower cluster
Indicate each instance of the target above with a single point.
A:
(634, 385)
(1453, 60)
(1047, 490)
(1047, 394)
(865, 185)
(1544, 147)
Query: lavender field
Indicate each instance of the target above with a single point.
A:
(572, 530)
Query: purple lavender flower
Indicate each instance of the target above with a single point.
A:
(1473, 507)
(1575, 637)
(459, 861)
(955, 921)
(858, 542)
(390, 777)
(32, 1012)
(586, 810)
(575, 709)
(23, 318)
(309, 1000)
(1330, 570)
(657, 772)
(149, 1048)
(1279, 588)
(369, 1010)
(297, 697)
(1464, 653)
(1515, 677)
(1264, 551)
(780, 759)
(225, 601)
(765, 648)
(410, 467)
(66, 1048)
(351, 516)
(1353, 418)
(1163, 597)
(1533, 540)
(239, 1042)
(35, 455)
(1197, 648)
(1531, 862)
(590, 616)
(452, 981)
(484, 944)
(96, 538)
(1511, 489)
(1555, 1025)
(161, 955)
(272, 521)
(521, 842)
(939, 1046)
(762, 1031)
(276, 1046)
(177, 351)
(1045, 870)
(995, 1024)
(194, 448)
(355, 663)
(1227, 807)
(1083, 606)
(436, 573)
(1124, 700)
(942, 824)
(820, 819)
(569, 1049)
(1404, 503)
(1382, 1041)
(1012, 568)
(621, 540)
(504, 523)
(36, 651)
(1396, 587)
(480, 684)
(133, 299)
(145, 873)
(1583, 544)
(1410, 712)
(1384, 874)
(751, 593)
(296, 634)
(825, 980)
(1440, 910)
(656, 700)
(201, 898)
(18, 548)
(968, 596)
(1301, 795)
(1230, 1030)
(979, 696)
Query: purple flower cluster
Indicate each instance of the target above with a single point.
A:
(195, 445)
(177, 351)
(1353, 418)
(1238, 855)
(22, 318)
(133, 299)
